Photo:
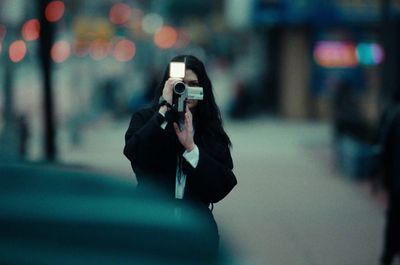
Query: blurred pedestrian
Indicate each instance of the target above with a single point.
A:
(24, 134)
(188, 158)
(348, 117)
(352, 133)
(241, 102)
(391, 179)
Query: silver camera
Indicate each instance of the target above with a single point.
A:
(182, 92)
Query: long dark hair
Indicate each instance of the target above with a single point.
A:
(207, 118)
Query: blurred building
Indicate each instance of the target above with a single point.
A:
(314, 46)
(280, 57)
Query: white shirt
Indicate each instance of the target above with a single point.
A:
(192, 158)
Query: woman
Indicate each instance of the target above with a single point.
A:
(187, 157)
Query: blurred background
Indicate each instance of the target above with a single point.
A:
(301, 85)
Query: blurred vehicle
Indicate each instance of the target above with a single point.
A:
(52, 214)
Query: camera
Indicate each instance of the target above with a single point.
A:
(181, 91)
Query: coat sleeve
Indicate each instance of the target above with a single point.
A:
(144, 138)
(213, 177)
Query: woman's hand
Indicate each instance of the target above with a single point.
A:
(185, 136)
(167, 93)
(168, 88)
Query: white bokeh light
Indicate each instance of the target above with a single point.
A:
(152, 23)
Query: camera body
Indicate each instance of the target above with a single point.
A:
(181, 91)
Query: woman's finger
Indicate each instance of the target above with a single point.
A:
(187, 121)
(188, 113)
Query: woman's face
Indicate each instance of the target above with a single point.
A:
(190, 79)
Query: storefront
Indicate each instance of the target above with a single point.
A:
(322, 45)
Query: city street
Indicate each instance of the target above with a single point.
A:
(282, 73)
(290, 206)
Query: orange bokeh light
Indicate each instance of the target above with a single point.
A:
(120, 13)
(165, 37)
(124, 50)
(17, 51)
(54, 11)
(60, 51)
(31, 29)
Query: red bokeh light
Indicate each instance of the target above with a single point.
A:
(31, 30)
(120, 13)
(124, 50)
(60, 51)
(81, 48)
(165, 37)
(17, 51)
(54, 11)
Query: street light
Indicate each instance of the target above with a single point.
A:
(50, 11)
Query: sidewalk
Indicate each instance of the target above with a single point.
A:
(290, 207)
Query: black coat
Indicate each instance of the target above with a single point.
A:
(153, 153)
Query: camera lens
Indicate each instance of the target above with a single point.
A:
(179, 88)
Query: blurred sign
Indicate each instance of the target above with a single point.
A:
(344, 54)
(335, 54)
(326, 12)
(370, 53)
(93, 29)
